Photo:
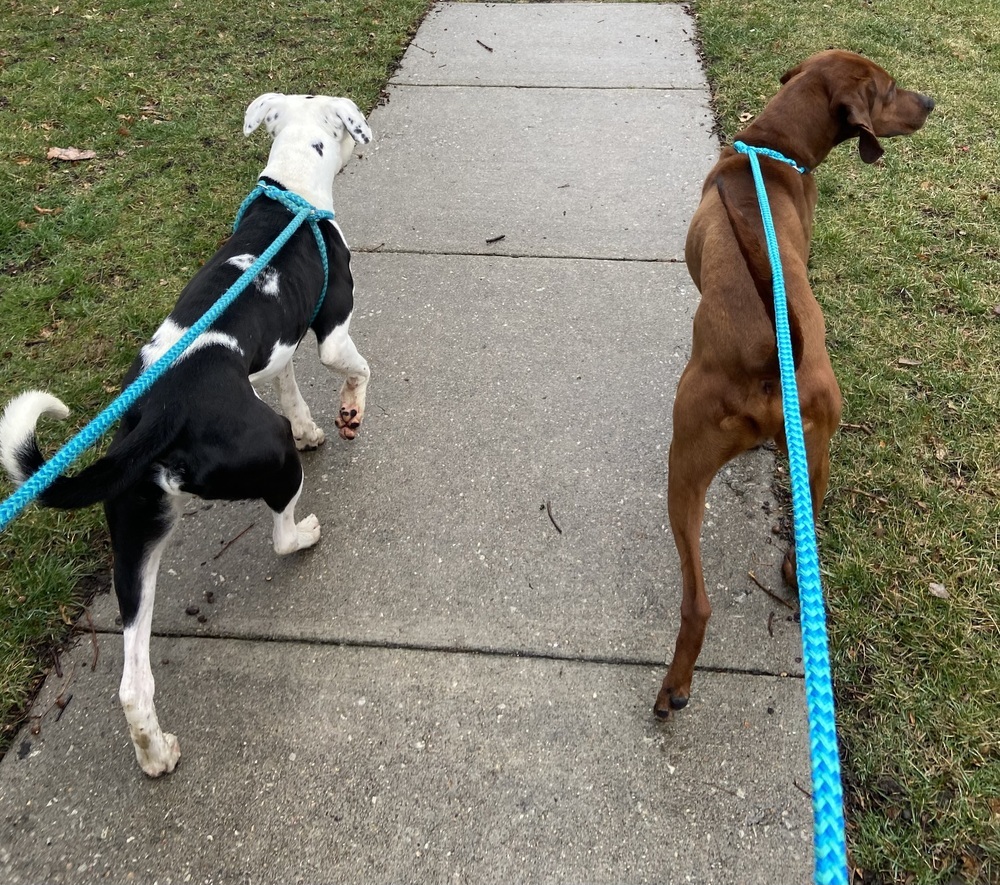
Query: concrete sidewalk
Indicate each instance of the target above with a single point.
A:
(455, 686)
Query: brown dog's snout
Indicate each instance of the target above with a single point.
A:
(926, 102)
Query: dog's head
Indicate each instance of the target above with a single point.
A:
(337, 117)
(864, 99)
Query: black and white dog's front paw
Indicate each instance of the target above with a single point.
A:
(308, 436)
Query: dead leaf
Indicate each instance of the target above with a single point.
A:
(746, 117)
(41, 210)
(70, 154)
(939, 591)
(904, 361)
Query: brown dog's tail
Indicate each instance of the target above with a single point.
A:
(755, 255)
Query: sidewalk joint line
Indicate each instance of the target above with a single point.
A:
(470, 650)
(381, 250)
(635, 88)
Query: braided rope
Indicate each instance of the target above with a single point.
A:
(295, 204)
(38, 482)
(830, 847)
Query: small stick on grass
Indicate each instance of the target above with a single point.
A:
(856, 491)
(864, 428)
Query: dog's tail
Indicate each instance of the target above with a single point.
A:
(755, 255)
(123, 465)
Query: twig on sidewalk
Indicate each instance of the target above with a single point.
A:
(93, 639)
(234, 540)
(770, 593)
(487, 48)
(552, 519)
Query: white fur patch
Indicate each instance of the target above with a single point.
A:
(170, 333)
(169, 482)
(266, 282)
(281, 356)
(18, 425)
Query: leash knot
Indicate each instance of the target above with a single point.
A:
(744, 148)
(292, 202)
(303, 210)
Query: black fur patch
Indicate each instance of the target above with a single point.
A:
(318, 147)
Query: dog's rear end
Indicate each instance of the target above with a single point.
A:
(729, 396)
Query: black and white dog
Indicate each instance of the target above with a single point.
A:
(202, 430)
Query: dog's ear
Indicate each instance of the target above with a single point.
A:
(858, 117)
(354, 121)
(263, 107)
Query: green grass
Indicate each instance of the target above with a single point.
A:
(93, 254)
(905, 263)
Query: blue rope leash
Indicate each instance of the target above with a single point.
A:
(294, 204)
(830, 846)
(89, 435)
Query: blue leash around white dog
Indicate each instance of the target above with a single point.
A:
(829, 841)
(69, 453)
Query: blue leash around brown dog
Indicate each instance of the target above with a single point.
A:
(829, 839)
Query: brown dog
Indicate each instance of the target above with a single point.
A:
(729, 396)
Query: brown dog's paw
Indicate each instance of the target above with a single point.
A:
(667, 701)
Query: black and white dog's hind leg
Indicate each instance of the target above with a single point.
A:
(141, 522)
(263, 462)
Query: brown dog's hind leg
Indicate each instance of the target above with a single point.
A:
(686, 497)
(698, 450)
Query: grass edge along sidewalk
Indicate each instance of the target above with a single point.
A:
(904, 265)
